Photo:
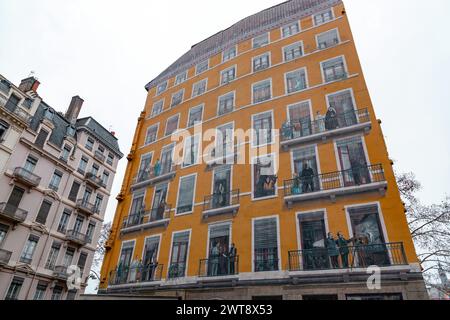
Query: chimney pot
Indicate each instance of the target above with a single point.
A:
(29, 84)
(113, 133)
(74, 109)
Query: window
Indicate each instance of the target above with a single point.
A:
(300, 123)
(152, 134)
(105, 178)
(305, 164)
(179, 254)
(82, 261)
(296, 81)
(352, 160)
(195, 115)
(145, 167)
(3, 128)
(177, 98)
(98, 203)
(137, 205)
(199, 88)
(90, 231)
(334, 69)
(202, 67)
(262, 129)
(219, 239)
(323, 17)
(41, 288)
(94, 169)
(265, 239)
(78, 224)
(161, 88)
(71, 294)
(30, 164)
(186, 194)
(157, 108)
(66, 153)
(73, 194)
(229, 54)
(293, 51)
(14, 289)
(328, 39)
(262, 62)
(83, 165)
(221, 187)
(181, 78)
(262, 91)
(28, 250)
(56, 180)
(172, 124)
(191, 147)
(226, 103)
(261, 40)
(3, 232)
(110, 159)
(5, 86)
(166, 159)
(87, 195)
(14, 200)
(126, 254)
(41, 138)
(53, 255)
(89, 144)
(68, 257)
(290, 29)
(224, 141)
(64, 221)
(264, 178)
(57, 293)
(342, 103)
(151, 251)
(374, 296)
(228, 75)
(43, 211)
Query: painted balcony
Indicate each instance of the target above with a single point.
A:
(302, 131)
(266, 259)
(218, 267)
(151, 176)
(99, 156)
(177, 270)
(77, 238)
(140, 274)
(331, 185)
(93, 180)
(5, 256)
(357, 256)
(60, 272)
(155, 218)
(86, 207)
(26, 177)
(221, 203)
(12, 214)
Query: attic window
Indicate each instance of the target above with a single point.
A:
(49, 114)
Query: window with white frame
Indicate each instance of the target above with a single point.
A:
(226, 103)
(262, 91)
(328, 39)
(261, 62)
(53, 255)
(180, 78)
(191, 146)
(179, 255)
(152, 134)
(228, 75)
(28, 250)
(199, 88)
(293, 51)
(56, 180)
(202, 67)
(186, 189)
(296, 80)
(264, 177)
(261, 40)
(161, 88)
(177, 98)
(265, 242)
(323, 17)
(334, 69)
(224, 140)
(65, 152)
(172, 124)
(229, 54)
(290, 29)
(195, 115)
(157, 108)
(262, 128)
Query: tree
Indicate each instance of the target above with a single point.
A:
(429, 225)
(100, 250)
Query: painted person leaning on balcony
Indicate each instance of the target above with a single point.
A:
(332, 249)
(307, 178)
(331, 121)
(157, 168)
(343, 248)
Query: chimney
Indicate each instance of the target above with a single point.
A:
(113, 133)
(29, 84)
(74, 109)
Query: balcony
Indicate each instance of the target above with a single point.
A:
(60, 273)
(77, 238)
(329, 185)
(12, 214)
(266, 260)
(221, 203)
(86, 207)
(155, 218)
(93, 181)
(306, 131)
(358, 256)
(151, 176)
(5, 256)
(219, 267)
(141, 274)
(99, 156)
(177, 270)
(26, 177)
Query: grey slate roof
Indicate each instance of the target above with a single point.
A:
(246, 28)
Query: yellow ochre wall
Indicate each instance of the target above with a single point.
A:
(391, 205)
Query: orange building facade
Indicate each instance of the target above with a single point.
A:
(253, 147)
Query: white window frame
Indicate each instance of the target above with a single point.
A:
(297, 224)
(182, 75)
(289, 25)
(167, 121)
(286, 81)
(151, 153)
(266, 35)
(193, 195)
(291, 45)
(198, 64)
(321, 13)
(202, 106)
(166, 86)
(253, 163)
(146, 134)
(187, 253)
(194, 94)
(322, 33)
(218, 103)
(152, 114)
(187, 143)
(257, 83)
(159, 245)
(224, 58)
(280, 261)
(173, 95)
(218, 224)
(272, 136)
(344, 62)
(268, 54)
(233, 67)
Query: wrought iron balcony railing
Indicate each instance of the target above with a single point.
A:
(99, 156)
(154, 174)
(5, 256)
(142, 274)
(60, 272)
(86, 207)
(305, 127)
(146, 217)
(218, 266)
(222, 202)
(77, 237)
(12, 213)
(177, 270)
(26, 177)
(266, 259)
(357, 256)
(93, 180)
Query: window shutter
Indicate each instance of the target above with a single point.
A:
(265, 233)
(42, 136)
(43, 212)
(82, 260)
(74, 191)
(182, 237)
(219, 231)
